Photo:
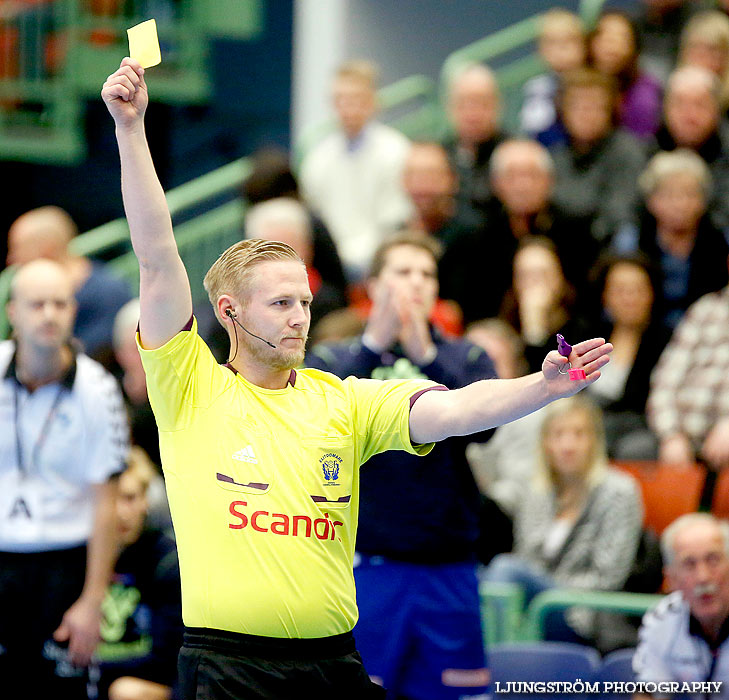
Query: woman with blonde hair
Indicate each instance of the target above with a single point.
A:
(580, 521)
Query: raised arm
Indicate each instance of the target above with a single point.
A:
(164, 289)
(437, 415)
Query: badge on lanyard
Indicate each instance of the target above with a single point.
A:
(21, 510)
(21, 500)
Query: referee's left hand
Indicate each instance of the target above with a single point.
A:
(80, 628)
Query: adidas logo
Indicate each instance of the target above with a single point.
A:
(246, 455)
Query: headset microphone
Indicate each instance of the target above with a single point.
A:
(231, 315)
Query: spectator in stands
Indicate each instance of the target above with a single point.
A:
(676, 232)
(63, 440)
(353, 178)
(613, 48)
(502, 344)
(133, 381)
(505, 463)
(660, 23)
(596, 169)
(432, 184)
(476, 270)
(46, 233)
(430, 564)
(579, 524)
(705, 43)
(684, 637)
(337, 326)
(287, 220)
(474, 111)
(692, 119)
(688, 404)
(142, 424)
(142, 625)
(562, 47)
(540, 302)
(626, 286)
(272, 177)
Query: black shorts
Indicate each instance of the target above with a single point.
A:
(218, 665)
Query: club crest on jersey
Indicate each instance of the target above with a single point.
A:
(330, 464)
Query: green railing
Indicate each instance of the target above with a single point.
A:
(55, 56)
(200, 239)
(40, 116)
(505, 619)
(561, 599)
(502, 612)
(518, 37)
(411, 104)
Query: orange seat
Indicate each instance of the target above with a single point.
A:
(720, 500)
(669, 491)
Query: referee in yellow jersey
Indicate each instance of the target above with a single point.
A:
(262, 461)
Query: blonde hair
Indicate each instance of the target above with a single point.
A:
(359, 69)
(558, 19)
(140, 466)
(544, 475)
(231, 272)
(710, 27)
(665, 164)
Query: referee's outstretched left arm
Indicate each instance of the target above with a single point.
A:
(437, 415)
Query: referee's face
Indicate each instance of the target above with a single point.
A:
(276, 307)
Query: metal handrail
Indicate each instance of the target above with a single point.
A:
(179, 200)
(559, 599)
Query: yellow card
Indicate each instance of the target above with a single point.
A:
(144, 44)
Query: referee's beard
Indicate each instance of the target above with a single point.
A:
(278, 358)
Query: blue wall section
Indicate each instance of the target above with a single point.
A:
(416, 36)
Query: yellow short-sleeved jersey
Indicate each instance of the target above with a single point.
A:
(263, 487)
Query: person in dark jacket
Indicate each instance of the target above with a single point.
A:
(692, 119)
(627, 286)
(677, 232)
(419, 521)
(474, 112)
(141, 630)
(596, 169)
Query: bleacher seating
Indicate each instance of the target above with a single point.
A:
(668, 491)
(720, 501)
(615, 666)
(541, 661)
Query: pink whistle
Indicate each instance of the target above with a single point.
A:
(564, 349)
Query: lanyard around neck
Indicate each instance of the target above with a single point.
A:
(23, 468)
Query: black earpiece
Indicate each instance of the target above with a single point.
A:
(232, 315)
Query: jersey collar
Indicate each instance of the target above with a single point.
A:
(66, 381)
(291, 381)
